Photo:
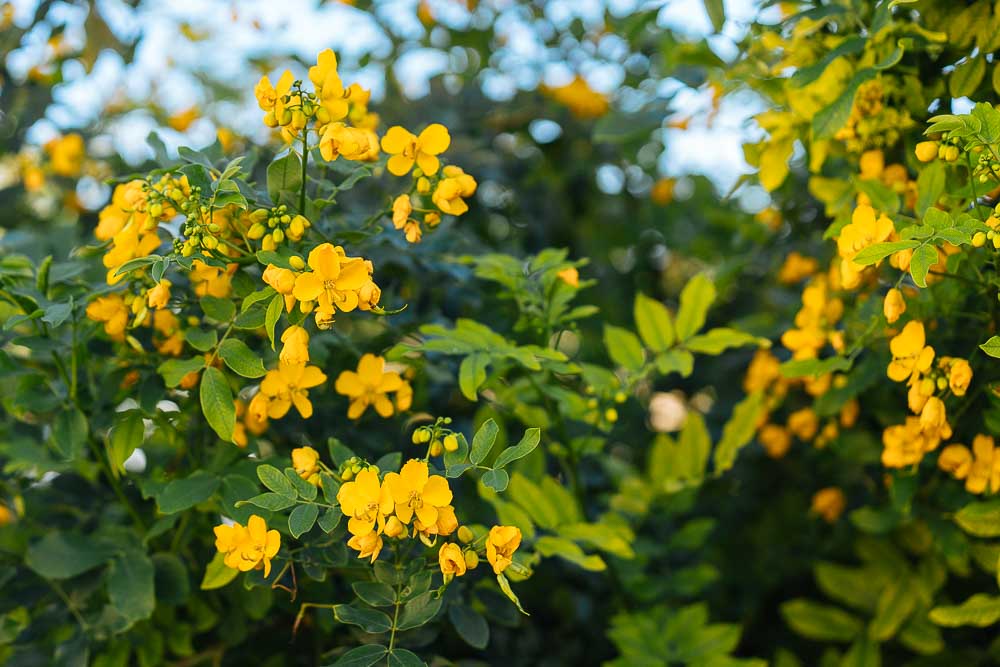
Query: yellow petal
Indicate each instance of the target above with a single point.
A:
(434, 139)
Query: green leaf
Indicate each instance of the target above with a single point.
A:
(527, 445)
(653, 321)
(693, 446)
(863, 653)
(505, 587)
(362, 656)
(920, 263)
(250, 300)
(482, 441)
(217, 574)
(401, 657)
(675, 361)
(419, 610)
(220, 310)
(302, 519)
(992, 347)
(472, 374)
(182, 494)
(550, 545)
(738, 431)
(808, 74)
(879, 251)
(271, 501)
(981, 610)
(304, 489)
(895, 605)
(284, 175)
(367, 619)
(217, 403)
(930, 186)
(883, 198)
(496, 480)
(69, 433)
(274, 310)
(966, 77)
(330, 519)
(981, 519)
(716, 11)
(696, 298)
(798, 368)
(240, 359)
(469, 624)
(623, 347)
(174, 370)
(375, 593)
(125, 436)
(819, 621)
(130, 583)
(61, 555)
(202, 340)
(276, 481)
(718, 340)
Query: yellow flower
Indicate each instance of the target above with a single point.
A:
(893, 306)
(982, 474)
(66, 154)
(248, 548)
(583, 101)
(926, 150)
(334, 280)
(366, 502)
(797, 267)
(283, 282)
(829, 503)
(662, 192)
(296, 345)
(872, 163)
(305, 460)
(367, 546)
(288, 385)
(446, 524)
(182, 120)
(370, 386)
(775, 440)
(393, 527)
(452, 190)
(406, 148)
(763, 370)
(909, 354)
(329, 87)
(351, 143)
(803, 423)
(415, 492)
(864, 230)
(933, 416)
(112, 311)
(501, 544)
(273, 99)
(451, 561)
(905, 444)
(959, 376)
(211, 280)
(956, 460)
(570, 276)
(159, 296)
(402, 207)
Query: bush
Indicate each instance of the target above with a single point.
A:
(451, 378)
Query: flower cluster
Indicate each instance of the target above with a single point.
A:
(249, 547)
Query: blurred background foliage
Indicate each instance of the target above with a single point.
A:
(638, 185)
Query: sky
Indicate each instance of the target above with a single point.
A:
(237, 32)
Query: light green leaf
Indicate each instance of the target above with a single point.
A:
(696, 298)
(981, 610)
(527, 445)
(472, 374)
(217, 574)
(981, 519)
(653, 321)
(623, 347)
(738, 431)
(920, 263)
(819, 621)
(483, 440)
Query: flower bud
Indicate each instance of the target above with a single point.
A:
(436, 448)
(471, 559)
(926, 151)
(297, 262)
(270, 119)
(465, 534)
(978, 240)
(256, 231)
(450, 443)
